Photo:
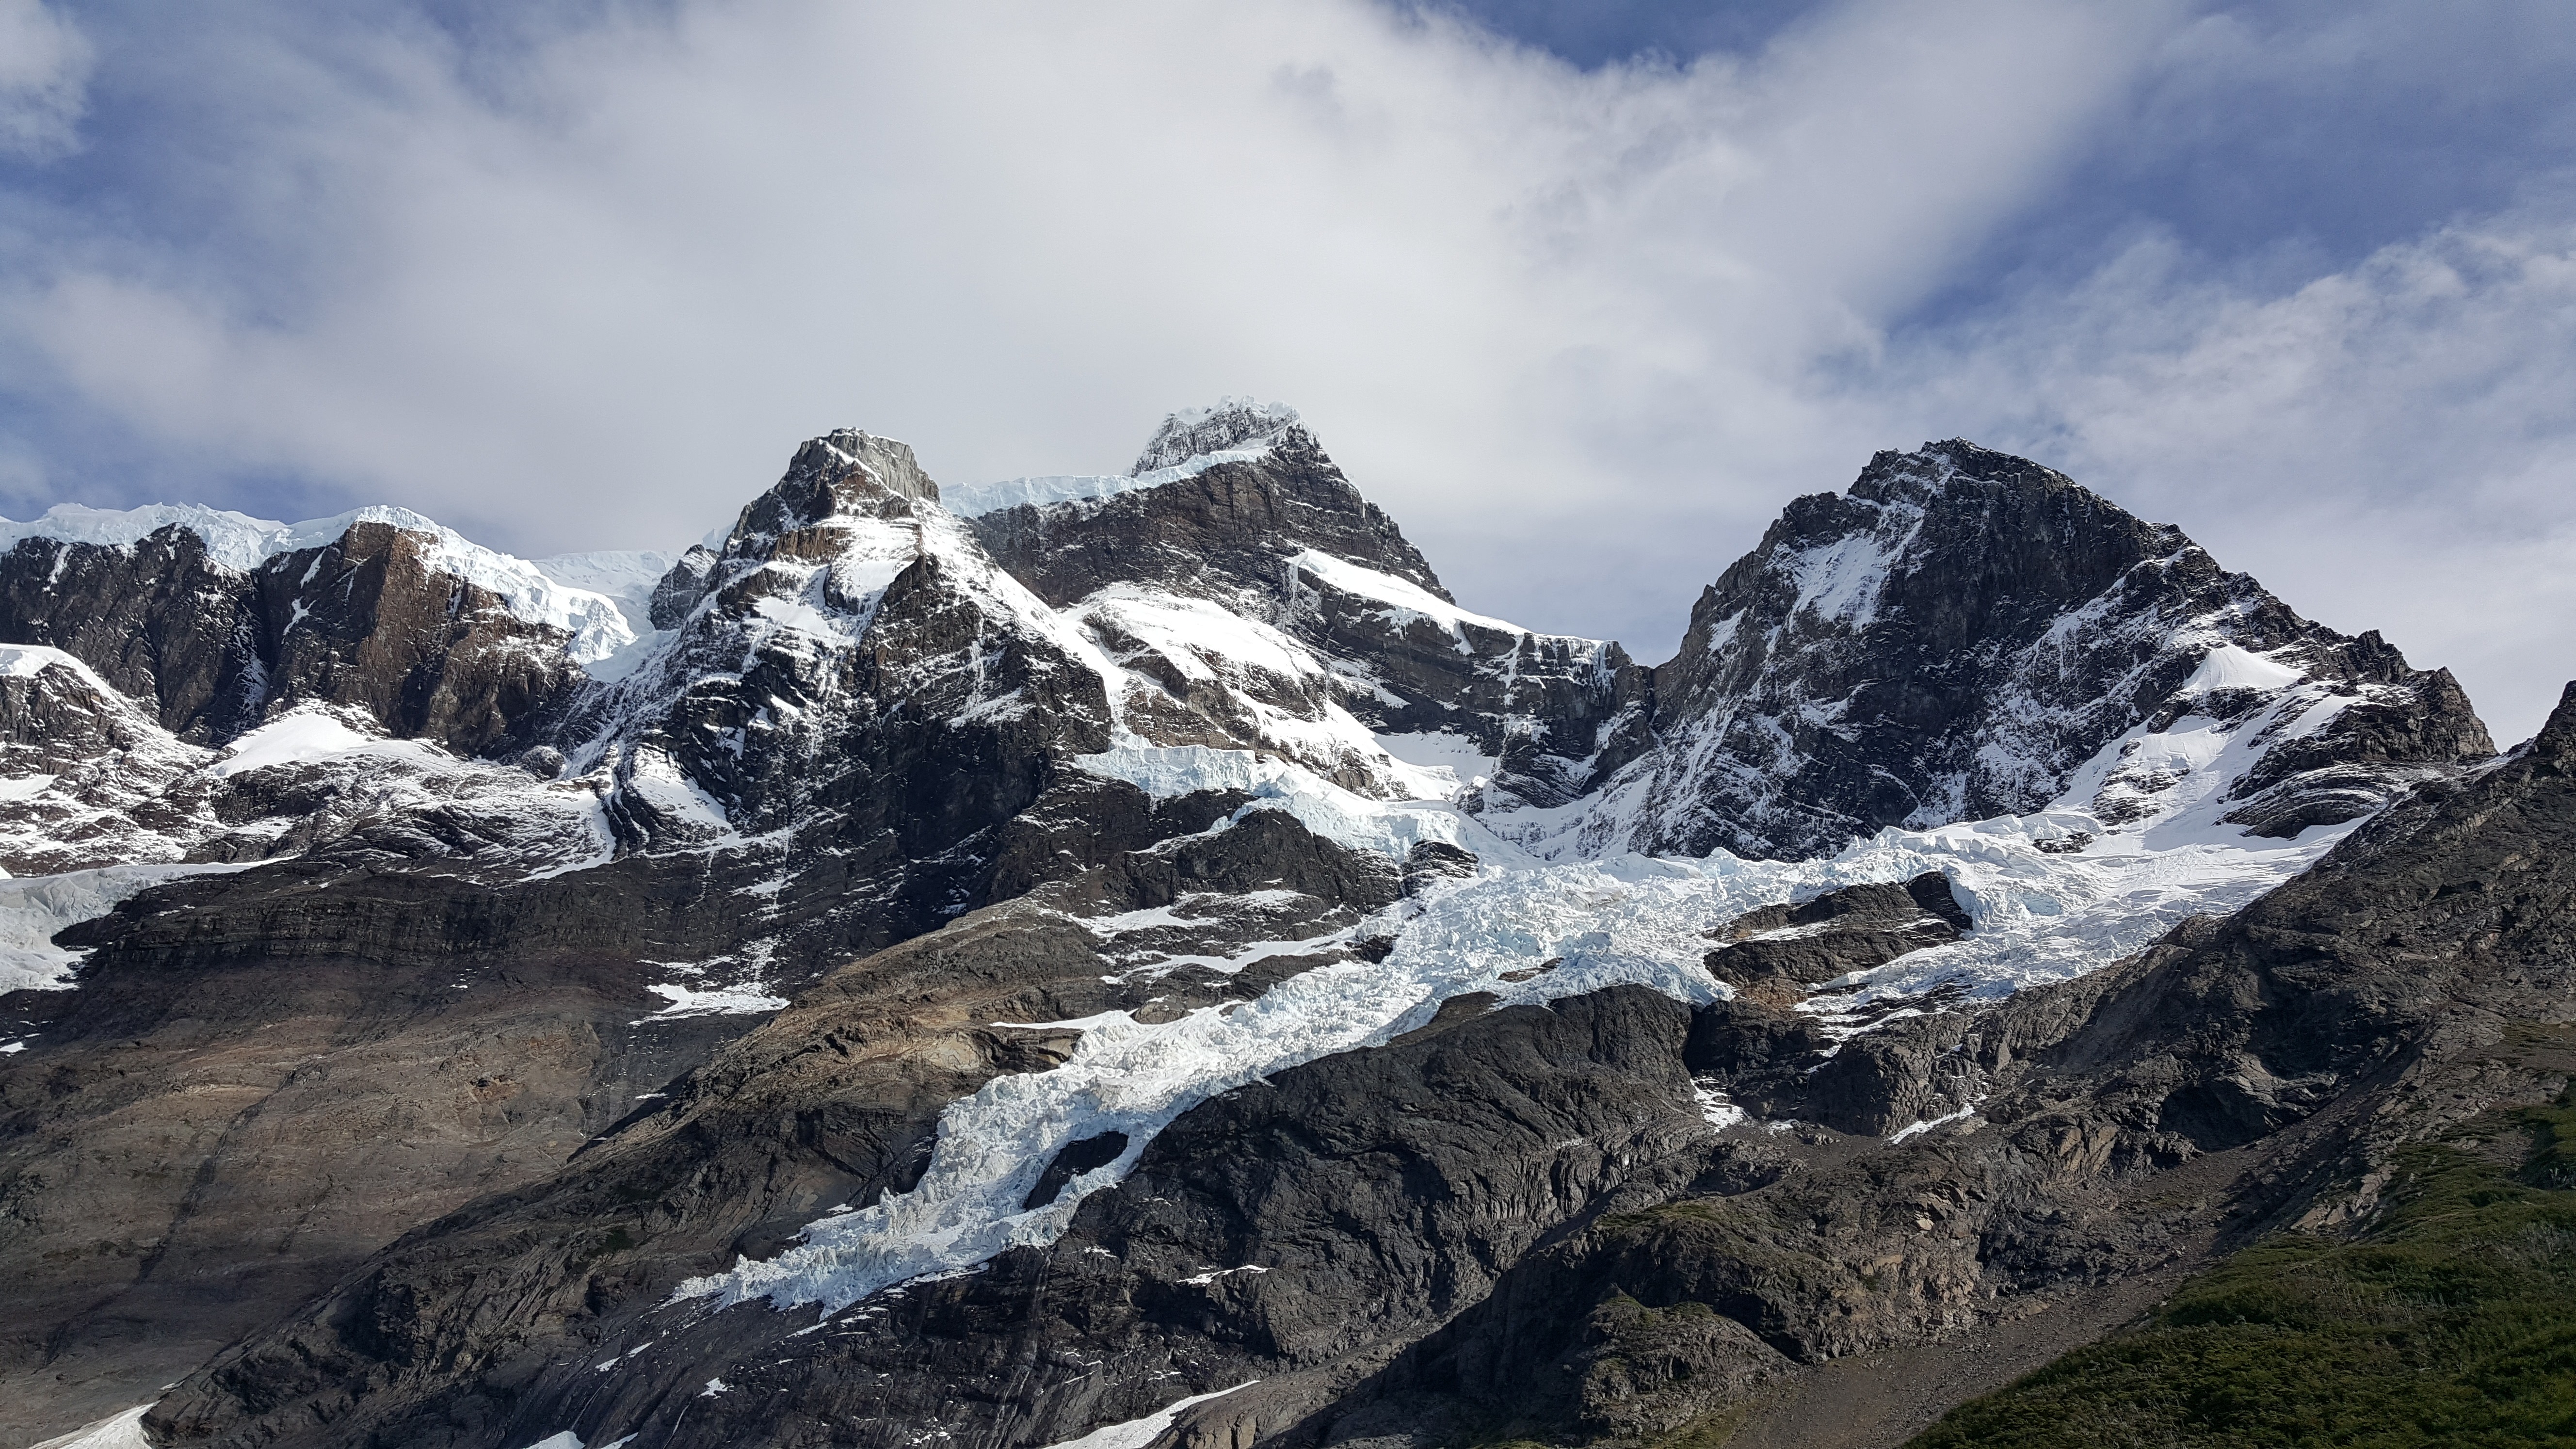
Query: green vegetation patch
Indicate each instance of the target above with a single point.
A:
(2451, 1322)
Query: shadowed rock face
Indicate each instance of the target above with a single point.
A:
(1777, 954)
(159, 621)
(366, 621)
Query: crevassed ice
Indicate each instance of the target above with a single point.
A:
(1623, 920)
(973, 500)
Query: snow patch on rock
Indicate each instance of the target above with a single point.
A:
(1142, 1432)
(1404, 599)
(117, 1431)
(1138, 1433)
(307, 735)
(33, 909)
(26, 661)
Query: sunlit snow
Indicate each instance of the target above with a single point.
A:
(117, 1431)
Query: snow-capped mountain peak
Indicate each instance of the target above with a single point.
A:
(1233, 425)
(1188, 443)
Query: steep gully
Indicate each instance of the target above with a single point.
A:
(1202, 743)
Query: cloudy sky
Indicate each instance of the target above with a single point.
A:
(1581, 293)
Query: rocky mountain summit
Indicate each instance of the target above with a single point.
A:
(1965, 634)
(1010, 961)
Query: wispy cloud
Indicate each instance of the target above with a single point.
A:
(44, 71)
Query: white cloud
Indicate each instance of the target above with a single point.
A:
(44, 68)
(1582, 332)
(596, 299)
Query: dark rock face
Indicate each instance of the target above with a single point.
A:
(366, 621)
(159, 621)
(1097, 1150)
(681, 588)
(1959, 633)
(832, 1101)
(1774, 954)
